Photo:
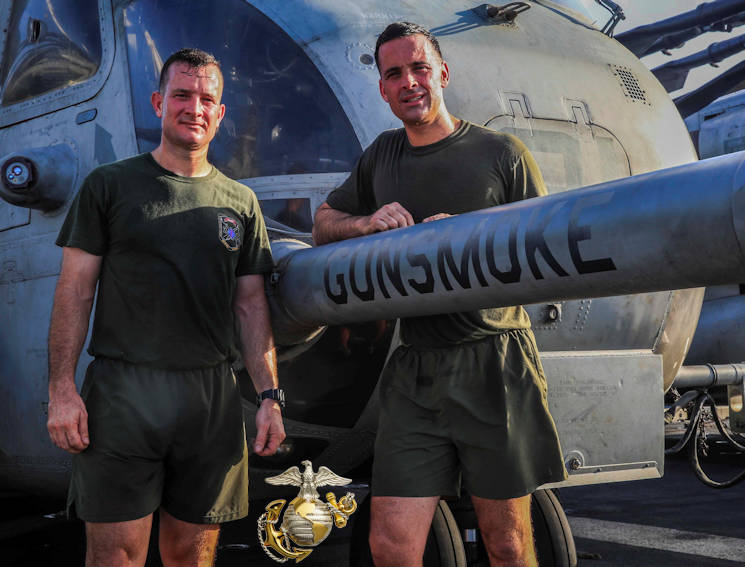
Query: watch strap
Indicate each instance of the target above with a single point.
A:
(276, 394)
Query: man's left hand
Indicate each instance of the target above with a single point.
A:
(438, 216)
(270, 431)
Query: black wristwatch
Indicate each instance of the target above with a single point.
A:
(276, 394)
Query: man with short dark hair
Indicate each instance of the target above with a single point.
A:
(178, 251)
(465, 394)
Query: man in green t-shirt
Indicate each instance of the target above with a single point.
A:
(178, 252)
(465, 395)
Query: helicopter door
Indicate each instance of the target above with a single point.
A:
(570, 154)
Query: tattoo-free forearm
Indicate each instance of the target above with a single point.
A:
(331, 225)
(257, 346)
(67, 330)
(257, 341)
(67, 421)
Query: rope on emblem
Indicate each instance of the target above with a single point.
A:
(262, 535)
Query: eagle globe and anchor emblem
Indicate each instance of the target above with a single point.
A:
(308, 520)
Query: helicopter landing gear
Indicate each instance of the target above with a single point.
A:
(444, 543)
(553, 537)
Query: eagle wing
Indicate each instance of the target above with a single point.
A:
(291, 476)
(324, 477)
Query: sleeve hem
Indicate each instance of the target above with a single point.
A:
(83, 246)
(335, 204)
(255, 271)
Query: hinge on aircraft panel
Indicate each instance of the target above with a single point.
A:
(516, 105)
(578, 113)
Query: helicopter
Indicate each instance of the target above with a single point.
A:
(302, 102)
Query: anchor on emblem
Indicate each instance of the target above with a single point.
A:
(308, 520)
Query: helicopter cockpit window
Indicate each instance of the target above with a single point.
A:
(569, 155)
(51, 44)
(282, 117)
(294, 213)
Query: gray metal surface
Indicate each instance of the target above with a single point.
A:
(585, 243)
(720, 127)
(48, 185)
(590, 396)
(709, 375)
(720, 335)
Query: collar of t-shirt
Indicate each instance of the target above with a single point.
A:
(459, 132)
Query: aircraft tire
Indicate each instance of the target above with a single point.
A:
(444, 536)
(553, 537)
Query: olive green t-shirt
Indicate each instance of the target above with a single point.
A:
(473, 168)
(172, 248)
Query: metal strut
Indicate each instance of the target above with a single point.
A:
(616, 15)
(709, 375)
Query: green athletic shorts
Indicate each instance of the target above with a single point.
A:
(161, 438)
(475, 411)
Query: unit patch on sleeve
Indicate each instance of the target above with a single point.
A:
(230, 232)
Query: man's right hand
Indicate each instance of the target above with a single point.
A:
(68, 420)
(390, 216)
(332, 224)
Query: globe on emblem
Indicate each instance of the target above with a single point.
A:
(308, 520)
(307, 523)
